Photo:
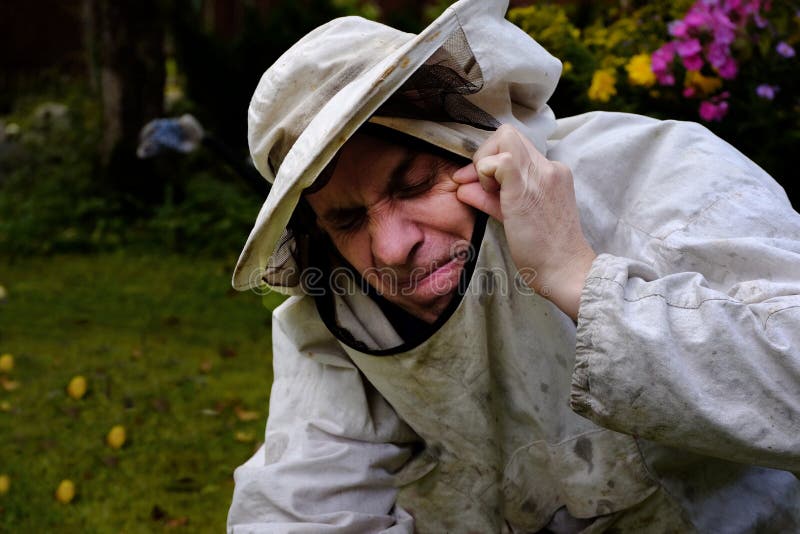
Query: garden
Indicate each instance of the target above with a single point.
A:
(133, 379)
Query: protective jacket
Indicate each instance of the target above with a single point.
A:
(672, 406)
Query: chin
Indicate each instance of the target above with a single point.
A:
(429, 312)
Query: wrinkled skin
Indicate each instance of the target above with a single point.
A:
(394, 215)
(401, 218)
(534, 198)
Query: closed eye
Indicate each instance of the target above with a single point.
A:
(418, 181)
(346, 220)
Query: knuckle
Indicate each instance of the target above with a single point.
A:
(505, 160)
(562, 169)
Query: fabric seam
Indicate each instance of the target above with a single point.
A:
(667, 302)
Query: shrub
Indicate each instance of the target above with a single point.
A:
(730, 64)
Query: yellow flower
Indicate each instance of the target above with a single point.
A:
(567, 67)
(603, 82)
(704, 84)
(5, 484)
(640, 71)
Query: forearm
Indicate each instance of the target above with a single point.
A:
(675, 361)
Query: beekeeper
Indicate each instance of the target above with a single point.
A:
(472, 345)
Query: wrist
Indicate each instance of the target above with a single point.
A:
(563, 286)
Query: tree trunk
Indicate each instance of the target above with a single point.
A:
(126, 48)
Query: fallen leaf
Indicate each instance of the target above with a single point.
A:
(9, 385)
(244, 437)
(246, 415)
(177, 522)
(205, 366)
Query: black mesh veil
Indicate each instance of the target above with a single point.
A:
(436, 91)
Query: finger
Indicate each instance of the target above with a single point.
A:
(506, 138)
(493, 171)
(465, 174)
(474, 195)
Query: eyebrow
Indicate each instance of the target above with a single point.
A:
(398, 174)
(396, 179)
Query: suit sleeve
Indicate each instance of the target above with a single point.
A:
(332, 443)
(699, 347)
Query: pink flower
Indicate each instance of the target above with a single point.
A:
(678, 28)
(717, 55)
(694, 62)
(696, 18)
(710, 111)
(785, 49)
(767, 91)
(729, 69)
(688, 48)
(689, 92)
(660, 63)
(723, 29)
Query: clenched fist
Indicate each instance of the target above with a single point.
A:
(534, 198)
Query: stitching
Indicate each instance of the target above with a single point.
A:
(699, 214)
(778, 311)
(626, 299)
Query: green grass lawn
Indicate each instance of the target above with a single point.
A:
(169, 351)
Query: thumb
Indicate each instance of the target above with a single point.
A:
(473, 194)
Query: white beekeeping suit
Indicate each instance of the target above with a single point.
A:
(672, 406)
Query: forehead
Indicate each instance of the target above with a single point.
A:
(363, 164)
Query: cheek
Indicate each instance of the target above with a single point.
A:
(442, 210)
(355, 249)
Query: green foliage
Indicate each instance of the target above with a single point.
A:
(169, 351)
(606, 56)
(48, 200)
(213, 218)
(53, 200)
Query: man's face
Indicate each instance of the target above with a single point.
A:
(392, 213)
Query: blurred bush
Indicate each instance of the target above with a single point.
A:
(730, 64)
(51, 199)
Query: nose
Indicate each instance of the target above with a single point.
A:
(394, 238)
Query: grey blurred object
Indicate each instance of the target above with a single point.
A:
(184, 135)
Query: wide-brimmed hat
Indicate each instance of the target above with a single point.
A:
(462, 76)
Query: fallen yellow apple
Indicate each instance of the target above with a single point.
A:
(116, 437)
(76, 387)
(65, 491)
(6, 363)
